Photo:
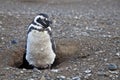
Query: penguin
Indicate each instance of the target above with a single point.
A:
(40, 46)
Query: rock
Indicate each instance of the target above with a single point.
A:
(13, 42)
(76, 78)
(85, 34)
(101, 73)
(112, 67)
(118, 54)
(88, 71)
(114, 72)
(61, 77)
(55, 70)
(7, 68)
(21, 72)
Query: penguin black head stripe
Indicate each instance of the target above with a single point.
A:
(44, 15)
(42, 19)
(40, 46)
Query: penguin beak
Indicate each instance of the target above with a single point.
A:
(47, 23)
(50, 22)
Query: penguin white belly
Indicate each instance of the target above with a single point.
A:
(39, 49)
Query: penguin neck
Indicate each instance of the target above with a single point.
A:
(33, 28)
(40, 29)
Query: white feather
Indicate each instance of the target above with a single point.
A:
(35, 26)
(39, 49)
(49, 28)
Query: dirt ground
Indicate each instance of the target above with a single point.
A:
(92, 24)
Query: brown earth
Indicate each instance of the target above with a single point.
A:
(86, 32)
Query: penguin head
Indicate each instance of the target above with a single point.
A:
(42, 19)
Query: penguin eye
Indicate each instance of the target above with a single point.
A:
(38, 20)
(45, 19)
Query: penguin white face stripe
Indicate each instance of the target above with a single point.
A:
(42, 17)
(38, 27)
(35, 26)
(37, 17)
(49, 28)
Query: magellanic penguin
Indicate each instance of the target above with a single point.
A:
(40, 48)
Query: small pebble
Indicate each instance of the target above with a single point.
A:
(114, 72)
(76, 17)
(101, 73)
(21, 71)
(85, 34)
(112, 67)
(75, 69)
(31, 79)
(88, 71)
(14, 42)
(55, 70)
(7, 68)
(2, 38)
(118, 54)
(105, 59)
(61, 77)
(76, 78)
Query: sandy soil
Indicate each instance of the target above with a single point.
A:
(95, 23)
